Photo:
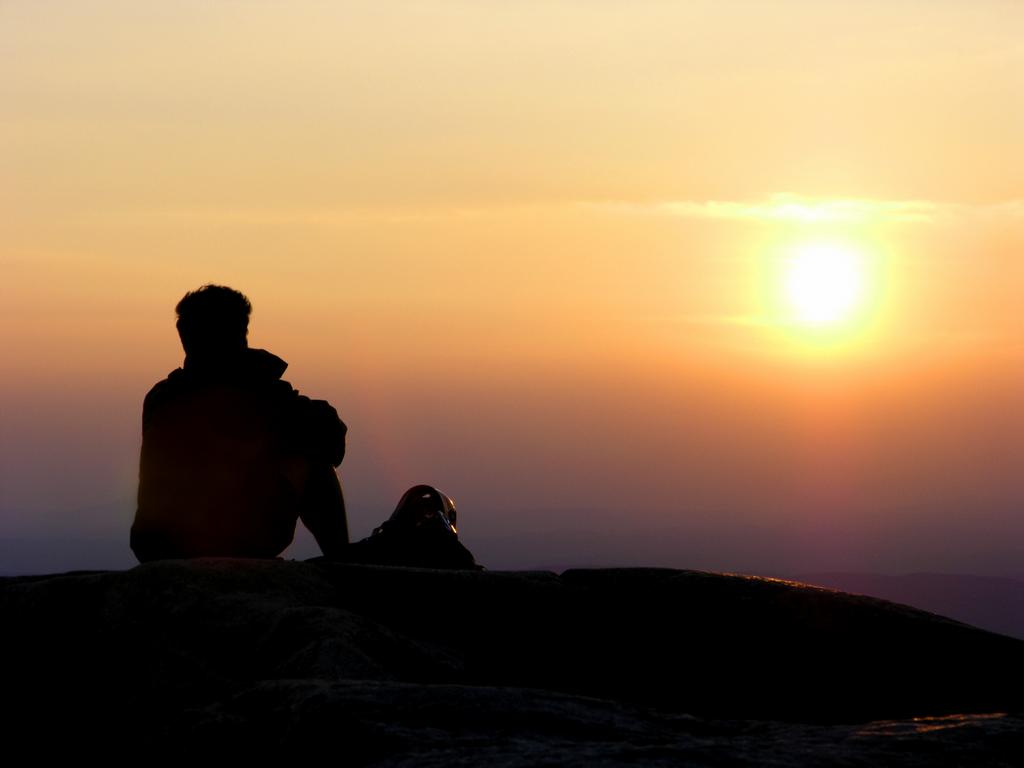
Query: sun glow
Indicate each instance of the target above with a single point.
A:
(825, 284)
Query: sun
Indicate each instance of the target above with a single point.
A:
(825, 284)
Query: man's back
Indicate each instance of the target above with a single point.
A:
(222, 444)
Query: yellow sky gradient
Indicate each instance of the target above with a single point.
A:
(532, 251)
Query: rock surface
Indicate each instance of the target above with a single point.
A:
(394, 666)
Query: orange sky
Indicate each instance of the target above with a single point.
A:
(534, 254)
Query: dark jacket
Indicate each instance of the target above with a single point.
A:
(225, 446)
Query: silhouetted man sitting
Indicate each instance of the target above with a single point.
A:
(232, 455)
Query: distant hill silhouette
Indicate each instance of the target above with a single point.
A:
(989, 602)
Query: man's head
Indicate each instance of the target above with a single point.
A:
(213, 320)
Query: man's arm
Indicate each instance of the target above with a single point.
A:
(314, 427)
(323, 511)
(318, 435)
(325, 430)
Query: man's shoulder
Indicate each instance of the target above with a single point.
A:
(162, 391)
(174, 381)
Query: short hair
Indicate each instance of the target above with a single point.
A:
(213, 318)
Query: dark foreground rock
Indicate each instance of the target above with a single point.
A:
(411, 667)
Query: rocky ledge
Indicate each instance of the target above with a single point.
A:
(397, 666)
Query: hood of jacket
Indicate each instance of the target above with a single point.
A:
(246, 363)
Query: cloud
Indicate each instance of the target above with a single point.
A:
(1008, 209)
(783, 208)
(803, 209)
(743, 321)
(810, 210)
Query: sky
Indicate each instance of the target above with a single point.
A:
(541, 255)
